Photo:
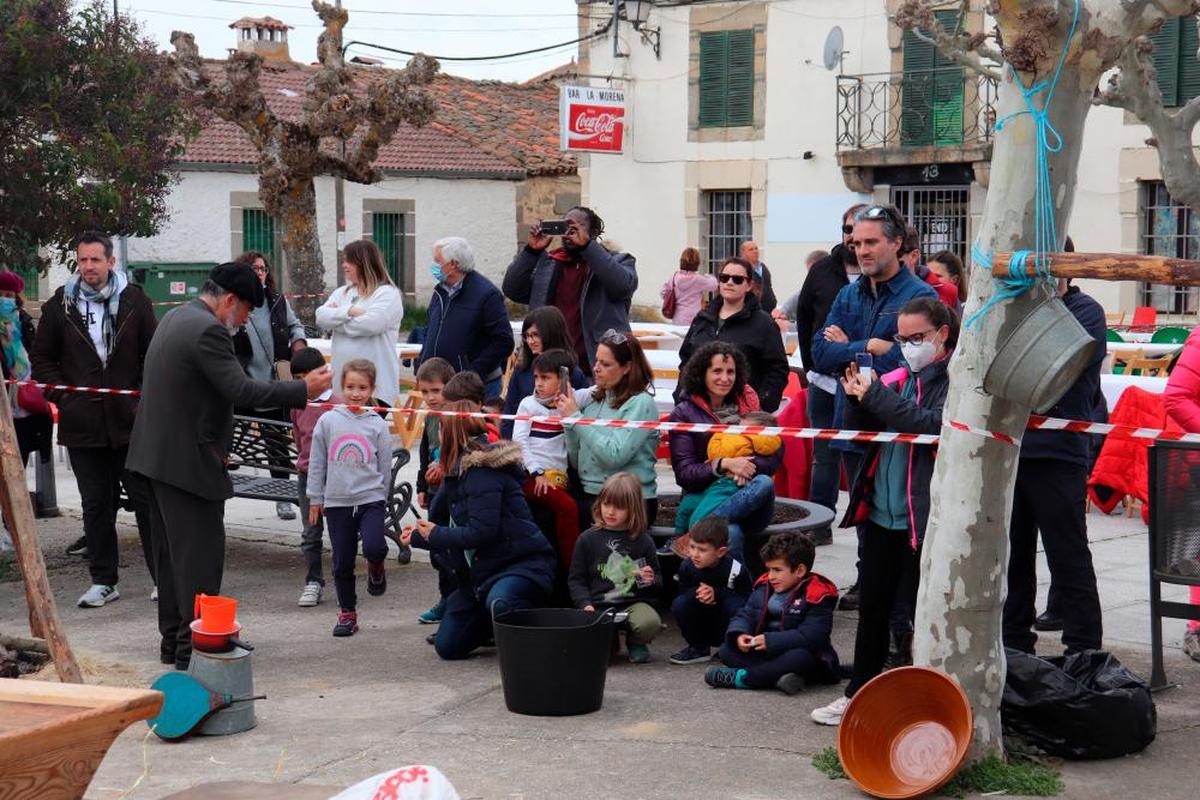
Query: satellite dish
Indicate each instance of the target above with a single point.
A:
(833, 48)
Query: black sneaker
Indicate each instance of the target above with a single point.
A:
(1048, 621)
(347, 624)
(376, 579)
(78, 547)
(405, 555)
(849, 601)
(664, 549)
(431, 638)
(721, 677)
(790, 684)
(691, 655)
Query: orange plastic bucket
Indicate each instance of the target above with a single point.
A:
(905, 733)
(217, 614)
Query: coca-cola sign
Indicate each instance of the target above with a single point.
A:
(592, 119)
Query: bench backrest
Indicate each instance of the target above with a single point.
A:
(264, 444)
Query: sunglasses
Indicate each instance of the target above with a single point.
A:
(847, 229)
(737, 280)
(613, 336)
(881, 212)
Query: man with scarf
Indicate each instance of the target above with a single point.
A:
(95, 332)
(590, 284)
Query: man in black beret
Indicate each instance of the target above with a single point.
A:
(182, 435)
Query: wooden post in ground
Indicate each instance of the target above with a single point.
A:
(1110, 267)
(18, 513)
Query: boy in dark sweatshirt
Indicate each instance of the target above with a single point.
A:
(781, 636)
(713, 587)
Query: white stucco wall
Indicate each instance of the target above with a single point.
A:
(647, 193)
(198, 228)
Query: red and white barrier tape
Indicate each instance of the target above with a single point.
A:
(1035, 423)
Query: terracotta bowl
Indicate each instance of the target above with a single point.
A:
(905, 733)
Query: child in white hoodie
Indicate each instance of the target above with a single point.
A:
(544, 449)
(349, 472)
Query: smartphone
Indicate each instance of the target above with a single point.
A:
(564, 378)
(554, 227)
(866, 364)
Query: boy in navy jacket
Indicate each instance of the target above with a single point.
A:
(713, 587)
(780, 637)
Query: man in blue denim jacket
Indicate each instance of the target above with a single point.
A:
(863, 316)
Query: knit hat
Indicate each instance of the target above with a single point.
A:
(240, 280)
(11, 282)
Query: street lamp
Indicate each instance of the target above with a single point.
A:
(637, 12)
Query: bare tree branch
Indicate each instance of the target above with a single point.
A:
(963, 48)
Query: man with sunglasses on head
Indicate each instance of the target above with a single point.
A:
(591, 285)
(824, 280)
(862, 319)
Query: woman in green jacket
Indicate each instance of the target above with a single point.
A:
(624, 381)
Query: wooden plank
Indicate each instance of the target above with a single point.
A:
(18, 511)
(20, 716)
(1111, 267)
(70, 694)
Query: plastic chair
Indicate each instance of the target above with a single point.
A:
(1144, 319)
(1169, 336)
(1114, 336)
(1149, 367)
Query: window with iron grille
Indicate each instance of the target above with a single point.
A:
(726, 79)
(258, 233)
(387, 231)
(727, 225)
(1168, 229)
(940, 214)
(1178, 68)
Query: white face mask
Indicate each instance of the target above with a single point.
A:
(919, 356)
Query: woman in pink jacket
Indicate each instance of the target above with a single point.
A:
(690, 287)
(1182, 402)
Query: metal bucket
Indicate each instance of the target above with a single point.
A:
(1041, 358)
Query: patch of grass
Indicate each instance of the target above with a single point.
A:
(1015, 777)
(414, 316)
(829, 765)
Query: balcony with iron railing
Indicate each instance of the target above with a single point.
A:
(943, 115)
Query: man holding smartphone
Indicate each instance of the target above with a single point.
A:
(592, 285)
(863, 319)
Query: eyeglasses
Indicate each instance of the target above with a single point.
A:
(532, 333)
(737, 280)
(847, 229)
(881, 212)
(613, 336)
(916, 338)
(260, 270)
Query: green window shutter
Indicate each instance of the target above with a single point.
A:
(1166, 60)
(258, 233)
(1189, 65)
(741, 78)
(931, 109)
(714, 79)
(387, 231)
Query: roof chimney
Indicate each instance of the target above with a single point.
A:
(266, 36)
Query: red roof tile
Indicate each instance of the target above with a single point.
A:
(502, 129)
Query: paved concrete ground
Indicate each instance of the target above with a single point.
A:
(341, 710)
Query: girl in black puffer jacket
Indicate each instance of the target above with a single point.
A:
(509, 561)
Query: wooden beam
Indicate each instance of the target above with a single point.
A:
(1111, 267)
(18, 511)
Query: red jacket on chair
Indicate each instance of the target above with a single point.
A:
(1122, 467)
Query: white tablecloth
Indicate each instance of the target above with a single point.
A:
(1114, 385)
(403, 349)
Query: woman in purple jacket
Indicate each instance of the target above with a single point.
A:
(716, 389)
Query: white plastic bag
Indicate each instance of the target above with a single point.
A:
(415, 782)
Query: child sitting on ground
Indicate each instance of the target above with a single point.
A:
(713, 587)
(615, 564)
(348, 478)
(544, 448)
(432, 377)
(723, 444)
(304, 420)
(781, 637)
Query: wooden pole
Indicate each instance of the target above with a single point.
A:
(1110, 267)
(18, 511)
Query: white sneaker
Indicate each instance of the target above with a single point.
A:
(832, 713)
(311, 595)
(154, 594)
(98, 595)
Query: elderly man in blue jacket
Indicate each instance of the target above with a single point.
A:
(863, 317)
(467, 323)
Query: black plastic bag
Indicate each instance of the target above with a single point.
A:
(1085, 705)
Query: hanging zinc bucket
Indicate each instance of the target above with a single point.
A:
(1041, 358)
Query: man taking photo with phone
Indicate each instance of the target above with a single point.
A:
(592, 285)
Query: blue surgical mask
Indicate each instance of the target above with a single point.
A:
(436, 270)
(7, 305)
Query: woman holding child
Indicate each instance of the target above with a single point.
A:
(544, 329)
(510, 563)
(716, 388)
(622, 391)
(890, 495)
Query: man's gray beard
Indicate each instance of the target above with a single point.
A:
(230, 327)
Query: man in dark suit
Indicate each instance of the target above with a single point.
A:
(182, 435)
